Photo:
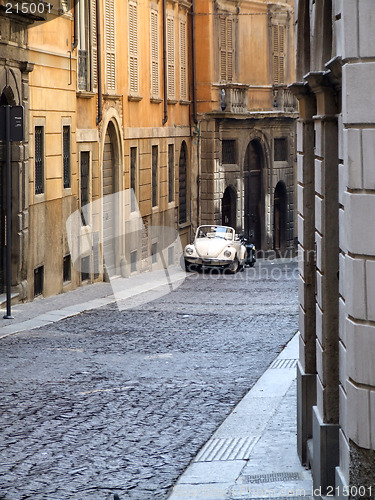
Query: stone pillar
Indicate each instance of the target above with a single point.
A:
(326, 412)
(306, 369)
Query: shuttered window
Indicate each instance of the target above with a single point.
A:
(110, 45)
(226, 48)
(171, 57)
(278, 54)
(66, 155)
(182, 186)
(183, 61)
(133, 48)
(94, 47)
(39, 160)
(85, 178)
(154, 53)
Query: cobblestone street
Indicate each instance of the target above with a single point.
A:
(120, 402)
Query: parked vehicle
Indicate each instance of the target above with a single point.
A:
(216, 246)
(250, 250)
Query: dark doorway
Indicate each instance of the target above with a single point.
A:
(229, 207)
(253, 186)
(280, 216)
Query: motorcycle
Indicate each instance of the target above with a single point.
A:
(250, 250)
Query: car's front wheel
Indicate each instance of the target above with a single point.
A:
(234, 266)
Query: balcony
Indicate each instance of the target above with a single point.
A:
(284, 100)
(233, 98)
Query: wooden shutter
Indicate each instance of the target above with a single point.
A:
(154, 53)
(170, 57)
(226, 48)
(133, 48)
(278, 54)
(94, 47)
(183, 61)
(110, 45)
(222, 48)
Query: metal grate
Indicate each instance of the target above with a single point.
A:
(280, 147)
(66, 155)
(154, 176)
(228, 150)
(67, 274)
(85, 171)
(182, 186)
(271, 478)
(39, 160)
(133, 178)
(83, 81)
(170, 172)
(38, 281)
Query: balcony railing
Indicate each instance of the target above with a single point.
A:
(284, 100)
(233, 98)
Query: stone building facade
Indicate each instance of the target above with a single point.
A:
(336, 201)
(246, 119)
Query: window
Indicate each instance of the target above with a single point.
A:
(133, 48)
(280, 149)
(85, 268)
(182, 186)
(278, 54)
(154, 53)
(85, 178)
(170, 58)
(133, 178)
(110, 45)
(154, 176)
(183, 61)
(66, 156)
(84, 46)
(38, 280)
(67, 275)
(228, 152)
(170, 172)
(39, 160)
(226, 48)
(170, 256)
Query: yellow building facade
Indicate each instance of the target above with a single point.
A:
(175, 105)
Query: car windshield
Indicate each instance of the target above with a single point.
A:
(226, 233)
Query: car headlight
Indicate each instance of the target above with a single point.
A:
(189, 251)
(227, 253)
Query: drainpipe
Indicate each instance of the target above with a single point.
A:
(193, 75)
(75, 36)
(165, 96)
(99, 63)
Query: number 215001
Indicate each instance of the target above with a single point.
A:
(28, 8)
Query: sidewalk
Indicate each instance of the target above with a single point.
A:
(253, 454)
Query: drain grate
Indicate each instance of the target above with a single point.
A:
(226, 449)
(284, 363)
(271, 478)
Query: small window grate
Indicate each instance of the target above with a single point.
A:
(154, 253)
(66, 156)
(280, 149)
(133, 178)
(67, 274)
(39, 160)
(83, 70)
(133, 261)
(85, 268)
(85, 171)
(229, 155)
(170, 256)
(38, 281)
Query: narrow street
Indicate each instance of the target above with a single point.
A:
(120, 402)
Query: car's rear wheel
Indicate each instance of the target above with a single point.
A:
(234, 266)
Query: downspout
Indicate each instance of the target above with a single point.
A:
(75, 36)
(193, 75)
(99, 63)
(165, 96)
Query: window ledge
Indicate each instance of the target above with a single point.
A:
(135, 98)
(84, 94)
(185, 103)
(172, 101)
(156, 100)
(112, 97)
(183, 225)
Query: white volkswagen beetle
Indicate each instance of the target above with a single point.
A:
(215, 246)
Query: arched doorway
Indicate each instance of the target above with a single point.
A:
(253, 187)
(229, 207)
(110, 186)
(280, 216)
(182, 185)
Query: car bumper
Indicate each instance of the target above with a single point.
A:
(208, 262)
